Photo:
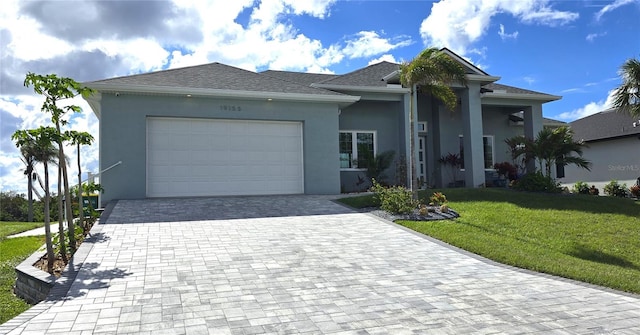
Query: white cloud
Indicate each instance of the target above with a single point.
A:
(384, 58)
(611, 7)
(370, 43)
(592, 37)
(529, 79)
(505, 36)
(457, 24)
(588, 109)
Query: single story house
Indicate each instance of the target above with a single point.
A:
(213, 130)
(612, 146)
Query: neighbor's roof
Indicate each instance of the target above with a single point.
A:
(213, 76)
(608, 124)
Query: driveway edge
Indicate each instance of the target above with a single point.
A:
(60, 286)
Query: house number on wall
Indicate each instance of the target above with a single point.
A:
(230, 108)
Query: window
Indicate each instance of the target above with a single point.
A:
(422, 126)
(487, 145)
(355, 146)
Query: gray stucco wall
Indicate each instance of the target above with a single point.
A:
(617, 159)
(494, 123)
(123, 136)
(384, 117)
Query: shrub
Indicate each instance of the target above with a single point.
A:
(635, 191)
(437, 199)
(395, 199)
(581, 187)
(506, 169)
(616, 190)
(536, 182)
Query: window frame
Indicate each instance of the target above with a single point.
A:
(354, 146)
(484, 154)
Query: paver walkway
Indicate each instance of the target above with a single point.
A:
(334, 273)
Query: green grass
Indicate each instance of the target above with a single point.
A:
(12, 252)
(10, 228)
(586, 238)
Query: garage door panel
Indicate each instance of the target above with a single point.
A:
(199, 157)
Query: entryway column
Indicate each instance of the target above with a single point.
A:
(406, 100)
(472, 135)
(532, 126)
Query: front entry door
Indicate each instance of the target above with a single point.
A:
(422, 161)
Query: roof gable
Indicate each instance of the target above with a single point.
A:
(372, 75)
(604, 125)
(468, 66)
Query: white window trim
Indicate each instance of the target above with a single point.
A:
(354, 145)
(493, 151)
(422, 126)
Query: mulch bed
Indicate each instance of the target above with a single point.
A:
(433, 214)
(59, 263)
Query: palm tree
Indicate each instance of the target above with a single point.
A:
(431, 72)
(626, 98)
(30, 152)
(551, 146)
(42, 140)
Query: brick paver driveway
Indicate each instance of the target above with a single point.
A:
(302, 264)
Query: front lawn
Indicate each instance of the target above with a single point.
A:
(587, 238)
(12, 252)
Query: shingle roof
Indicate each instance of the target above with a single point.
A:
(510, 89)
(224, 77)
(607, 124)
(299, 77)
(369, 76)
(552, 122)
(215, 76)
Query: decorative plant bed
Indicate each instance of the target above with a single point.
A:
(433, 214)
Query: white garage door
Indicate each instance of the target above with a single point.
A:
(204, 157)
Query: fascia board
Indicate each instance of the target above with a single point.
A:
(482, 78)
(94, 102)
(368, 89)
(521, 96)
(205, 92)
(393, 75)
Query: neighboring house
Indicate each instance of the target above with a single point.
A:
(612, 146)
(218, 130)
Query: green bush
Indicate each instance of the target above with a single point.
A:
(437, 199)
(581, 187)
(395, 199)
(536, 182)
(616, 190)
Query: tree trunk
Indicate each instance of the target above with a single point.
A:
(67, 195)
(47, 221)
(63, 247)
(30, 195)
(80, 202)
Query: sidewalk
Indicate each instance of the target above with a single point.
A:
(38, 231)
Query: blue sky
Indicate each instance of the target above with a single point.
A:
(567, 48)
